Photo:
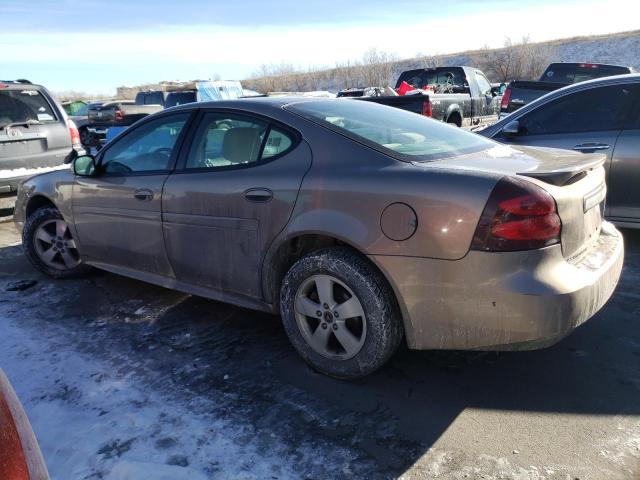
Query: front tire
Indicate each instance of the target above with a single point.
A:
(49, 245)
(340, 313)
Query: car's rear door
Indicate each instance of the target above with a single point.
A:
(231, 194)
(586, 121)
(118, 213)
(624, 174)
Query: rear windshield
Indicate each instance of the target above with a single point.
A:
(568, 73)
(438, 76)
(179, 98)
(149, 98)
(26, 105)
(400, 134)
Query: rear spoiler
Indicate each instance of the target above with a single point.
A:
(567, 175)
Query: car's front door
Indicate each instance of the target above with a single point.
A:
(587, 121)
(485, 103)
(230, 196)
(118, 213)
(624, 176)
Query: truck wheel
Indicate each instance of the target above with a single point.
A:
(340, 313)
(455, 119)
(49, 246)
(86, 137)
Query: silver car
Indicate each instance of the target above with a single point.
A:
(361, 224)
(601, 115)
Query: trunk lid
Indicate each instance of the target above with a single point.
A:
(575, 180)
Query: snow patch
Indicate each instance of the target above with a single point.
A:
(28, 172)
(95, 420)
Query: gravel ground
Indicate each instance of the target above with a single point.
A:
(123, 380)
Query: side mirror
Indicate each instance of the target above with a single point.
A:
(512, 128)
(85, 166)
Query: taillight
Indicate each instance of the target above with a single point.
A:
(519, 215)
(427, 109)
(73, 132)
(119, 116)
(506, 97)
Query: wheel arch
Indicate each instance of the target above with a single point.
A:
(37, 202)
(288, 249)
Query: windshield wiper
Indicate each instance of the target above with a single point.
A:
(18, 124)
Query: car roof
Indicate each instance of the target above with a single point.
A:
(241, 103)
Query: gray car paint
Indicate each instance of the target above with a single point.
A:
(331, 189)
(622, 147)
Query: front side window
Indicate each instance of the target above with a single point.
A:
(483, 84)
(400, 134)
(225, 140)
(596, 109)
(147, 148)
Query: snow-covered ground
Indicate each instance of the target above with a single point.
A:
(122, 380)
(96, 421)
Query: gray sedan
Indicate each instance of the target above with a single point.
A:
(363, 225)
(601, 115)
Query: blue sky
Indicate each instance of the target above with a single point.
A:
(96, 45)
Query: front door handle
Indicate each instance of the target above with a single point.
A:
(258, 195)
(143, 194)
(591, 147)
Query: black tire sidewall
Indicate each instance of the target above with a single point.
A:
(36, 219)
(384, 325)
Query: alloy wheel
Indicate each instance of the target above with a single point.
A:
(55, 246)
(330, 317)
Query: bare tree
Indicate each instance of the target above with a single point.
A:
(378, 67)
(516, 60)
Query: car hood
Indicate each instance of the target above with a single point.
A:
(551, 165)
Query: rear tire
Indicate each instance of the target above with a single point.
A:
(367, 330)
(86, 137)
(49, 246)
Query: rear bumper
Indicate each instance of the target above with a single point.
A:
(503, 301)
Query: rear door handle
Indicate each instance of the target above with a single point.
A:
(258, 194)
(143, 194)
(590, 147)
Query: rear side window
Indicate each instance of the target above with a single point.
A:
(397, 133)
(26, 105)
(596, 109)
(227, 140)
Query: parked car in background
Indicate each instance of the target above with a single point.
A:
(20, 455)
(35, 133)
(151, 97)
(81, 120)
(601, 116)
(557, 75)
(461, 96)
(359, 223)
(73, 107)
(116, 113)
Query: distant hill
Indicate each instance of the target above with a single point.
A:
(616, 48)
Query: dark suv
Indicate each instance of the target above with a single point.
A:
(35, 133)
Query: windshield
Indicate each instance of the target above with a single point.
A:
(26, 105)
(568, 73)
(403, 135)
(179, 98)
